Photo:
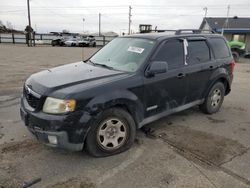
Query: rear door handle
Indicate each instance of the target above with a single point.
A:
(180, 75)
(211, 67)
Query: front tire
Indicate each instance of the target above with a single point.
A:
(214, 99)
(112, 132)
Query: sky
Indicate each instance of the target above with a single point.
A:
(56, 15)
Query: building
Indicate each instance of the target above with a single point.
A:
(236, 28)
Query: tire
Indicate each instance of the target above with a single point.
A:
(236, 56)
(214, 99)
(94, 44)
(100, 141)
(53, 43)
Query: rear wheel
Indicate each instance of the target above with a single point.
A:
(214, 99)
(53, 43)
(111, 133)
(236, 56)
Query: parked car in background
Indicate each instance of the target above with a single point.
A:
(72, 42)
(87, 41)
(58, 41)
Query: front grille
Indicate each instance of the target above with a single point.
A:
(32, 100)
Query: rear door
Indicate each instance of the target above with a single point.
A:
(168, 90)
(200, 64)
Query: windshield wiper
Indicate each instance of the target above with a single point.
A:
(99, 64)
(103, 65)
(89, 61)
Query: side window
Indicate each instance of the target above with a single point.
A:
(198, 52)
(172, 52)
(220, 48)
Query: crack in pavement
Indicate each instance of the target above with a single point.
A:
(121, 167)
(235, 156)
(210, 163)
(188, 154)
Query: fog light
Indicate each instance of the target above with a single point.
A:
(52, 139)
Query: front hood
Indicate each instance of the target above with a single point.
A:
(69, 75)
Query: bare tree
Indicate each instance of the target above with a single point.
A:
(9, 25)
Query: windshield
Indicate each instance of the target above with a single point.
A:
(124, 54)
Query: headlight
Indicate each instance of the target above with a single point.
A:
(58, 106)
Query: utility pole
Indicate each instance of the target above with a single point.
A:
(129, 20)
(205, 9)
(205, 17)
(226, 24)
(29, 32)
(99, 24)
(83, 20)
(228, 9)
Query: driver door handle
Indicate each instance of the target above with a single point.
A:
(180, 75)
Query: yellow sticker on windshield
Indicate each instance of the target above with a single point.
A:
(135, 49)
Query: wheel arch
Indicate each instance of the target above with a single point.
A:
(123, 99)
(219, 78)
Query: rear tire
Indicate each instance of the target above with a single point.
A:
(112, 132)
(214, 99)
(236, 56)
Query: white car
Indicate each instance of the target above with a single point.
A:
(71, 42)
(87, 41)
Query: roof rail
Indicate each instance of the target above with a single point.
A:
(163, 30)
(193, 31)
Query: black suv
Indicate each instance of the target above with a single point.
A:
(132, 81)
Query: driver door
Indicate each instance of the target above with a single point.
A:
(166, 91)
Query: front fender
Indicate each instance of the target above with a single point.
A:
(118, 98)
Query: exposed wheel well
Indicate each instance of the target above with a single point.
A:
(124, 107)
(226, 84)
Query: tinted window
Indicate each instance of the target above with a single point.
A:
(198, 52)
(172, 52)
(220, 48)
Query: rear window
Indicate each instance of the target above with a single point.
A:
(220, 48)
(173, 53)
(198, 52)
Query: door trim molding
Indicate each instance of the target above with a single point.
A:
(168, 112)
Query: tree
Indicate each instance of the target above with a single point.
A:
(65, 31)
(9, 25)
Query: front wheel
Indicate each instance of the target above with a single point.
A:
(214, 99)
(111, 133)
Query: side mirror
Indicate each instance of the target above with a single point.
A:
(157, 67)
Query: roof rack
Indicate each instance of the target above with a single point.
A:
(183, 31)
(163, 30)
(193, 31)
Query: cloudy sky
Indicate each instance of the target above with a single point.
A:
(56, 15)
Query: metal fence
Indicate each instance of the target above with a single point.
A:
(45, 39)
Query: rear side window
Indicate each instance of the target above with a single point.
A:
(220, 48)
(172, 52)
(198, 52)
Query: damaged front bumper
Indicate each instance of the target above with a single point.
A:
(60, 131)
